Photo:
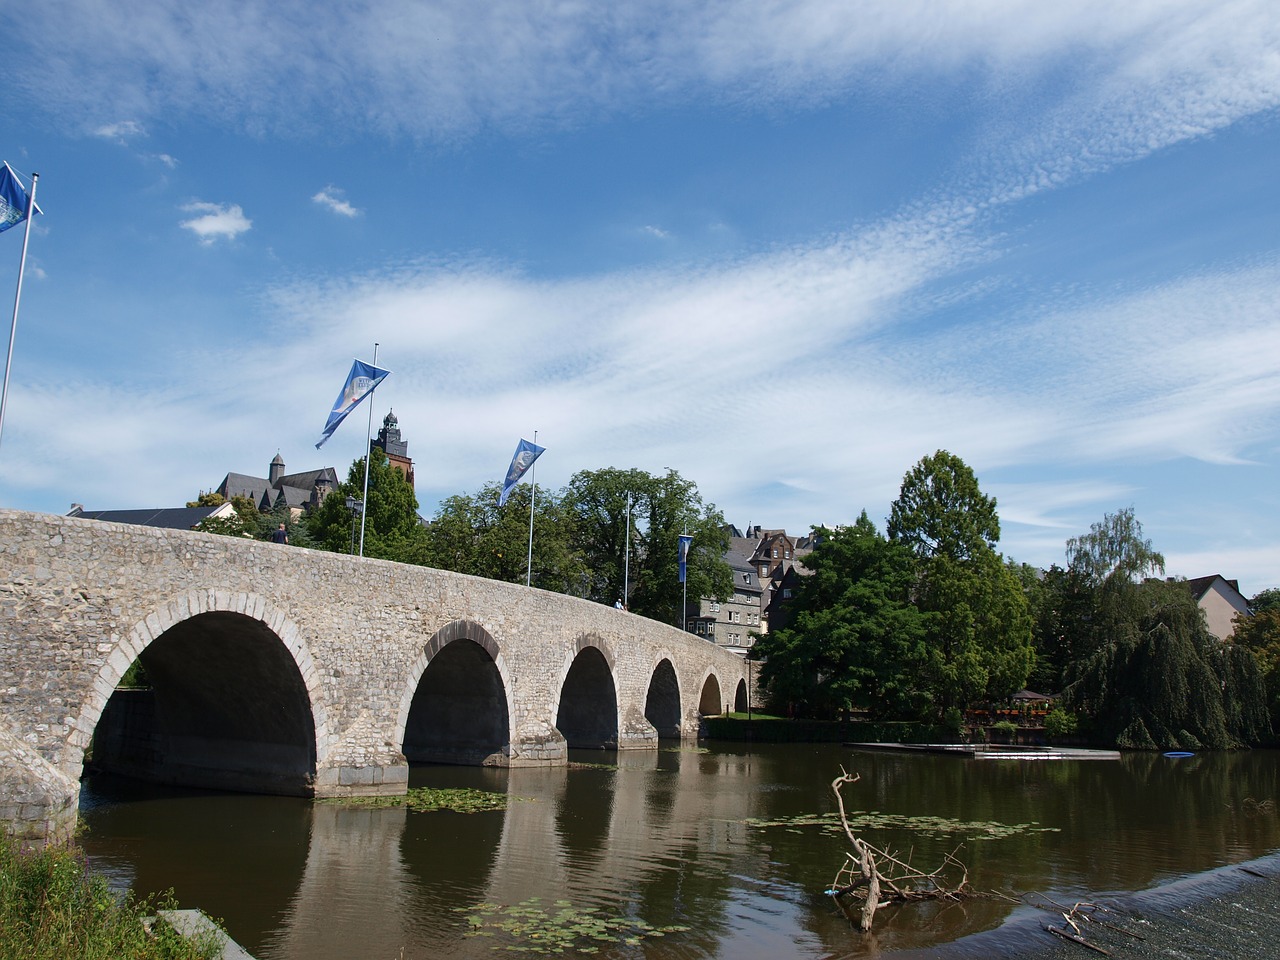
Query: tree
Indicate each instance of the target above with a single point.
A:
(1113, 553)
(246, 522)
(393, 530)
(941, 512)
(603, 503)
(1145, 671)
(978, 641)
(662, 508)
(856, 639)
(473, 535)
(1260, 635)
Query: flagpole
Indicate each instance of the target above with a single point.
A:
(626, 559)
(368, 444)
(13, 327)
(533, 495)
(684, 604)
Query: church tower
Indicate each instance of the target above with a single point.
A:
(397, 450)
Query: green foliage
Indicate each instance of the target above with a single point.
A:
(52, 908)
(1060, 723)
(940, 511)
(472, 534)
(392, 528)
(210, 499)
(1265, 600)
(1113, 552)
(856, 640)
(1260, 635)
(1158, 679)
(978, 636)
(662, 508)
(135, 677)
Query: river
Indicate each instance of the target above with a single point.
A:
(720, 850)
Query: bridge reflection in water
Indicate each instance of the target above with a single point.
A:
(718, 841)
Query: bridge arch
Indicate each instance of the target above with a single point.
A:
(236, 700)
(741, 698)
(586, 706)
(710, 703)
(662, 698)
(456, 702)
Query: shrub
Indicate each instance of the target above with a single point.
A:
(52, 908)
(1060, 723)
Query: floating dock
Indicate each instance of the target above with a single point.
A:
(992, 751)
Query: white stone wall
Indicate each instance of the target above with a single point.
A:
(80, 599)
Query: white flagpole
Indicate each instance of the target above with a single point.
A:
(533, 496)
(368, 459)
(684, 603)
(22, 266)
(626, 559)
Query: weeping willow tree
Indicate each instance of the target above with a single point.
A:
(1150, 675)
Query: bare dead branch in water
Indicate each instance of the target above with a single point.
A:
(880, 877)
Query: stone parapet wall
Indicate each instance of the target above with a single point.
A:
(81, 599)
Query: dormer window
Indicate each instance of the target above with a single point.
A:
(746, 578)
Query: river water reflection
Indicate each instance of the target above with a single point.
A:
(721, 840)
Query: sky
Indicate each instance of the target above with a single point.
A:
(786, 248)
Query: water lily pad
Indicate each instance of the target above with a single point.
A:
(459, 800)
(528, 927)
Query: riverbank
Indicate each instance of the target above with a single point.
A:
(1230, 912)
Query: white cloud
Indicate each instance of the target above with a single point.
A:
(165, 159)
(121, 131)
(332, 198)
(1153, 72)
(656, 232)
(215, 221)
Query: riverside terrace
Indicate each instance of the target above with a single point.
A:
(280, 670)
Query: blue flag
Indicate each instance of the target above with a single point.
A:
(685, 542)
(526, 453)
(14, 200)
(361, 381)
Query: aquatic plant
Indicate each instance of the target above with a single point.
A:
(426, 799)
(560, 927)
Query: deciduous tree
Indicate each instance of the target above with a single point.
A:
(978, 643)
(856, 639)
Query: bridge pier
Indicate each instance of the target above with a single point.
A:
(37, 801)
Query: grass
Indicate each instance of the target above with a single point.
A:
(53, 908)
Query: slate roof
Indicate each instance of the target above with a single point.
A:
(169, 518)
(1199, 586)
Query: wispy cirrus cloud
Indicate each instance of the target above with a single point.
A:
(1164, 69)
(331, 198)
(215, 221)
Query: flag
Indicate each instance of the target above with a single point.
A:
(361, 381)
(14, 199)
(685, 542)
(526, 453)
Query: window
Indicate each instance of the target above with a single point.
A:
(775, 553)
(787, 554)
(746, 578)
(764, 569)
(786, 593)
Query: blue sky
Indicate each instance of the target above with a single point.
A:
(785, 248)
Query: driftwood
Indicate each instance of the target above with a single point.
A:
(880, 877)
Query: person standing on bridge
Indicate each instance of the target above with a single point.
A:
(279, 535)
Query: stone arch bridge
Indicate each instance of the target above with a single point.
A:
(281, 670)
